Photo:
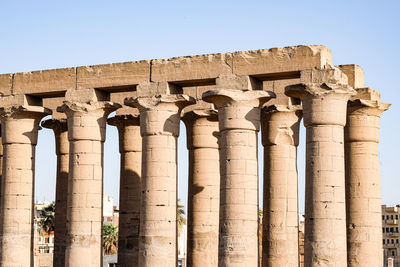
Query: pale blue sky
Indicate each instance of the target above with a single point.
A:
(52, 34)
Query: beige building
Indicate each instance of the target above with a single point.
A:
(391, 235)
(226, 101)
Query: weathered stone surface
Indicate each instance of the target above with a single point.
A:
(355, 75)
(45, 82)
(363, 190)
(239, 122)
(130, 147)
(281, 60)
(60, 130)
(280, 138)
(201, 122)
(86, 134)
(324, 95)
(159, 127)
(6, 84)
(201, 67)
(113, 76)
(20, 127)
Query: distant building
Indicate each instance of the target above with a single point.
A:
(391, 235)
(182, 241)
(43, 243)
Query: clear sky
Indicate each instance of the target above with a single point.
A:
(52, 34)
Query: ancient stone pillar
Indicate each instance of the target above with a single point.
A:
(130, 147)
(86, 113)
(324, 94)
(59, 126)
(159, 127)
(280, 138)
(20, 125)
(363, 185)
(201, 122)
(239, 122)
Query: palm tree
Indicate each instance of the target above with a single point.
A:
(110, 239)
(181, 215)
(46, 219)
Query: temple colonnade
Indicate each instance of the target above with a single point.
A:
(225, 100)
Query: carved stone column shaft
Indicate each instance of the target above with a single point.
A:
(86, 134)
(60, 130)
(363, 185)
(203, 193)
(324, 94)
(130, 147)
(159, 127)
(20, 127)
(239, 122)
(280, 129)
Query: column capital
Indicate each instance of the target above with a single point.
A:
(280, 124)
(324, 94)
(363, 115)
(201, 122)
(238, 109)
(57, 125)
(174, 102)
(321, 83)
(100, 108)
(60, 129)
(367, 102)
(160, 115)
(22, 114)
(20, 106)
(228, 97)
(199, 110)
(124, 120)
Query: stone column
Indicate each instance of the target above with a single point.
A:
(20, 125)
(363, 184)
(86, 134)
(239, 122)
(130, 147)
(280, 138)
(159, 127)
(203, 194)
(59, 126)
(324, 94)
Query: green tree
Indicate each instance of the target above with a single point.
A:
(46, 218)
(181, 215)
(110, 239)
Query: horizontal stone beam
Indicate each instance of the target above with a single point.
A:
(201, 70)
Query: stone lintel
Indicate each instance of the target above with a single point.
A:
(354, 73)
(199, 70)
(281, 60)
(113, 76)
(52, 82)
